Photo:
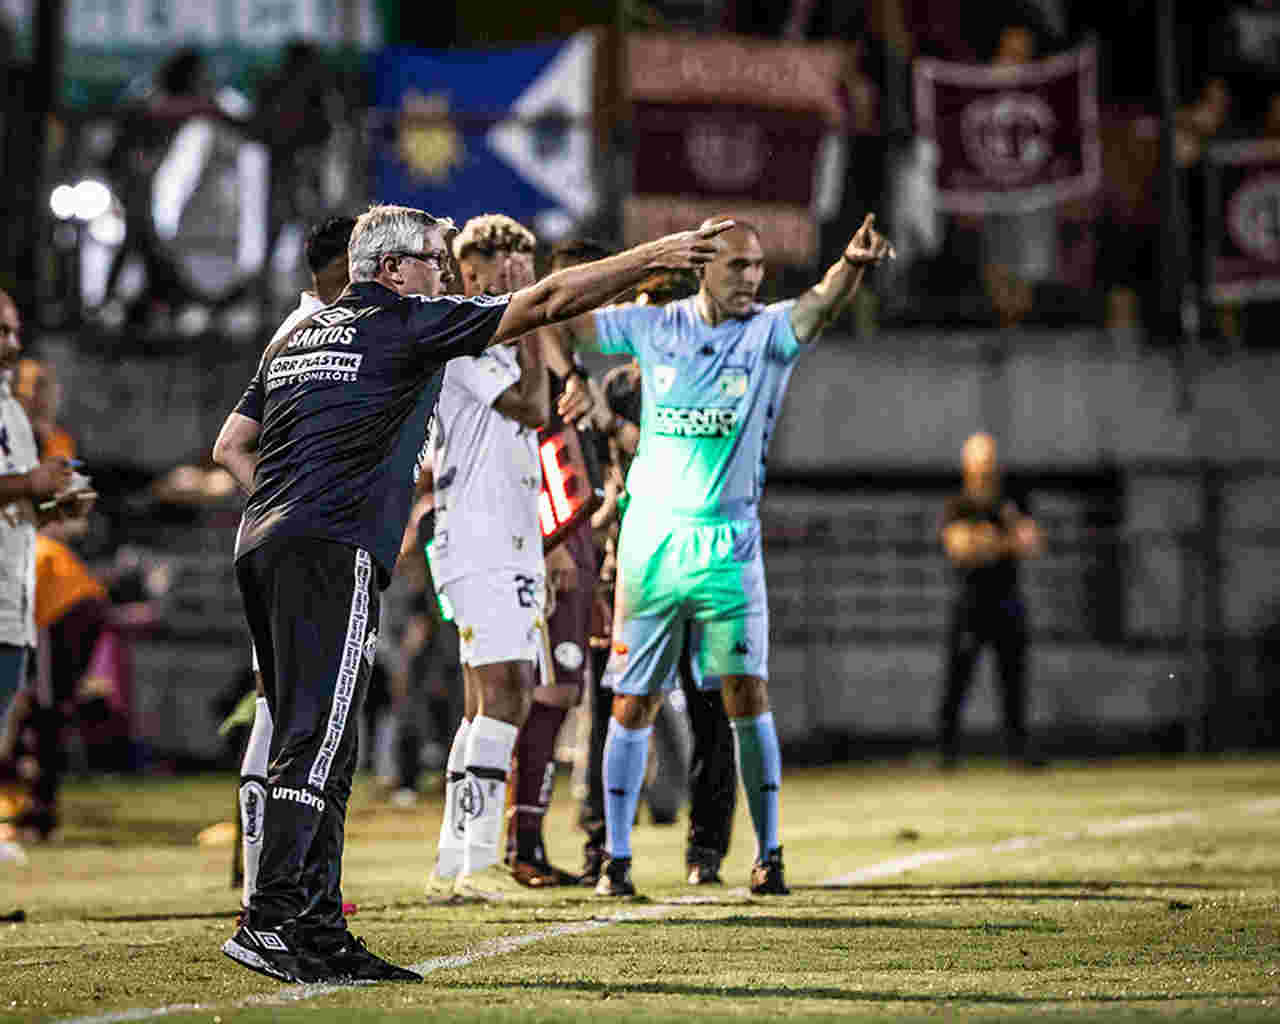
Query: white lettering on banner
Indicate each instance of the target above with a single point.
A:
(710, 422)
(122, 24)
(339, 366)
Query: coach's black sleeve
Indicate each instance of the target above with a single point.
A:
(449, 326)
(253, 399)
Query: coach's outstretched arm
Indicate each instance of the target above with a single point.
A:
(822, 303)
(577, 290)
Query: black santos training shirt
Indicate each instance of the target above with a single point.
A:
(344, 400)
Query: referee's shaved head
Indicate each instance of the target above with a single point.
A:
(739, 224)
(979, 452)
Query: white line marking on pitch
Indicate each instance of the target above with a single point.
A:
(482, 951)
(511, 943)
(1097, 830)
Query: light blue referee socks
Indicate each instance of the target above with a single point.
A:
(626, 754)
(760, 766)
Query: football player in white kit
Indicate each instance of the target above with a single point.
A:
(486, 557)
(236, 451)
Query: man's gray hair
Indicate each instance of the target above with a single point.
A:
(384, 229)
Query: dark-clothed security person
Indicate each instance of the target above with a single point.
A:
(986, 532)
(343, 401)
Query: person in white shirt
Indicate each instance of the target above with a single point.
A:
(236, 451)
(31, 492)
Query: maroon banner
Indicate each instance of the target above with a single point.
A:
(722, 124)
(736, 71)
(1011, 137)
(790, 235)
(735, 152)
(1244, 219)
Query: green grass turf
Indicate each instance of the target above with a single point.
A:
(125, 911)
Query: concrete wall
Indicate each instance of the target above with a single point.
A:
(1052, 400)
(903, 402)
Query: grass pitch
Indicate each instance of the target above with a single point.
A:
(1125, 890)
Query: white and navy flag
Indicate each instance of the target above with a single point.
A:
(1243, 221)
(1011, 138)
(462, 133)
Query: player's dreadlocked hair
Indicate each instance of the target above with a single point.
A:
(492, 231)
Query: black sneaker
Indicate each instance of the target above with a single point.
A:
(766, 875)
(273, 952)
(704, 866)
(615, 879)
(593, 858)
(352, 961)
(541, 874)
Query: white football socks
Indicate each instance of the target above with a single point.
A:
(449, 850)
(484, 800)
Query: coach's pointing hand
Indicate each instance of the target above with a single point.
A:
(688, 249)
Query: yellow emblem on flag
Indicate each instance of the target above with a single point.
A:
(427, 141)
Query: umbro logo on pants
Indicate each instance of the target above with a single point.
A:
(298, 796)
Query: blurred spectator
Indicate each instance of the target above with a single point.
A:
(1123, 320)
(1245, 46)
(986, 531)
(71, 615)
(1271, 118)
(1129, 210)
(38, 390)
(25, 481)
(298, 107)
(182, 90)
(1018, 249)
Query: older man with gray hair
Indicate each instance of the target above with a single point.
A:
(345, 399)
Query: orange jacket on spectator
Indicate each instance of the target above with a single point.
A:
(36, 387)
(62, 581)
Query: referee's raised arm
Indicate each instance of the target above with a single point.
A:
(577, 290)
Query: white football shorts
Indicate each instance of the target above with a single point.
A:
(499, 615)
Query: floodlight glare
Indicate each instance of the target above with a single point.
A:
(62, 202)
(90, 200)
